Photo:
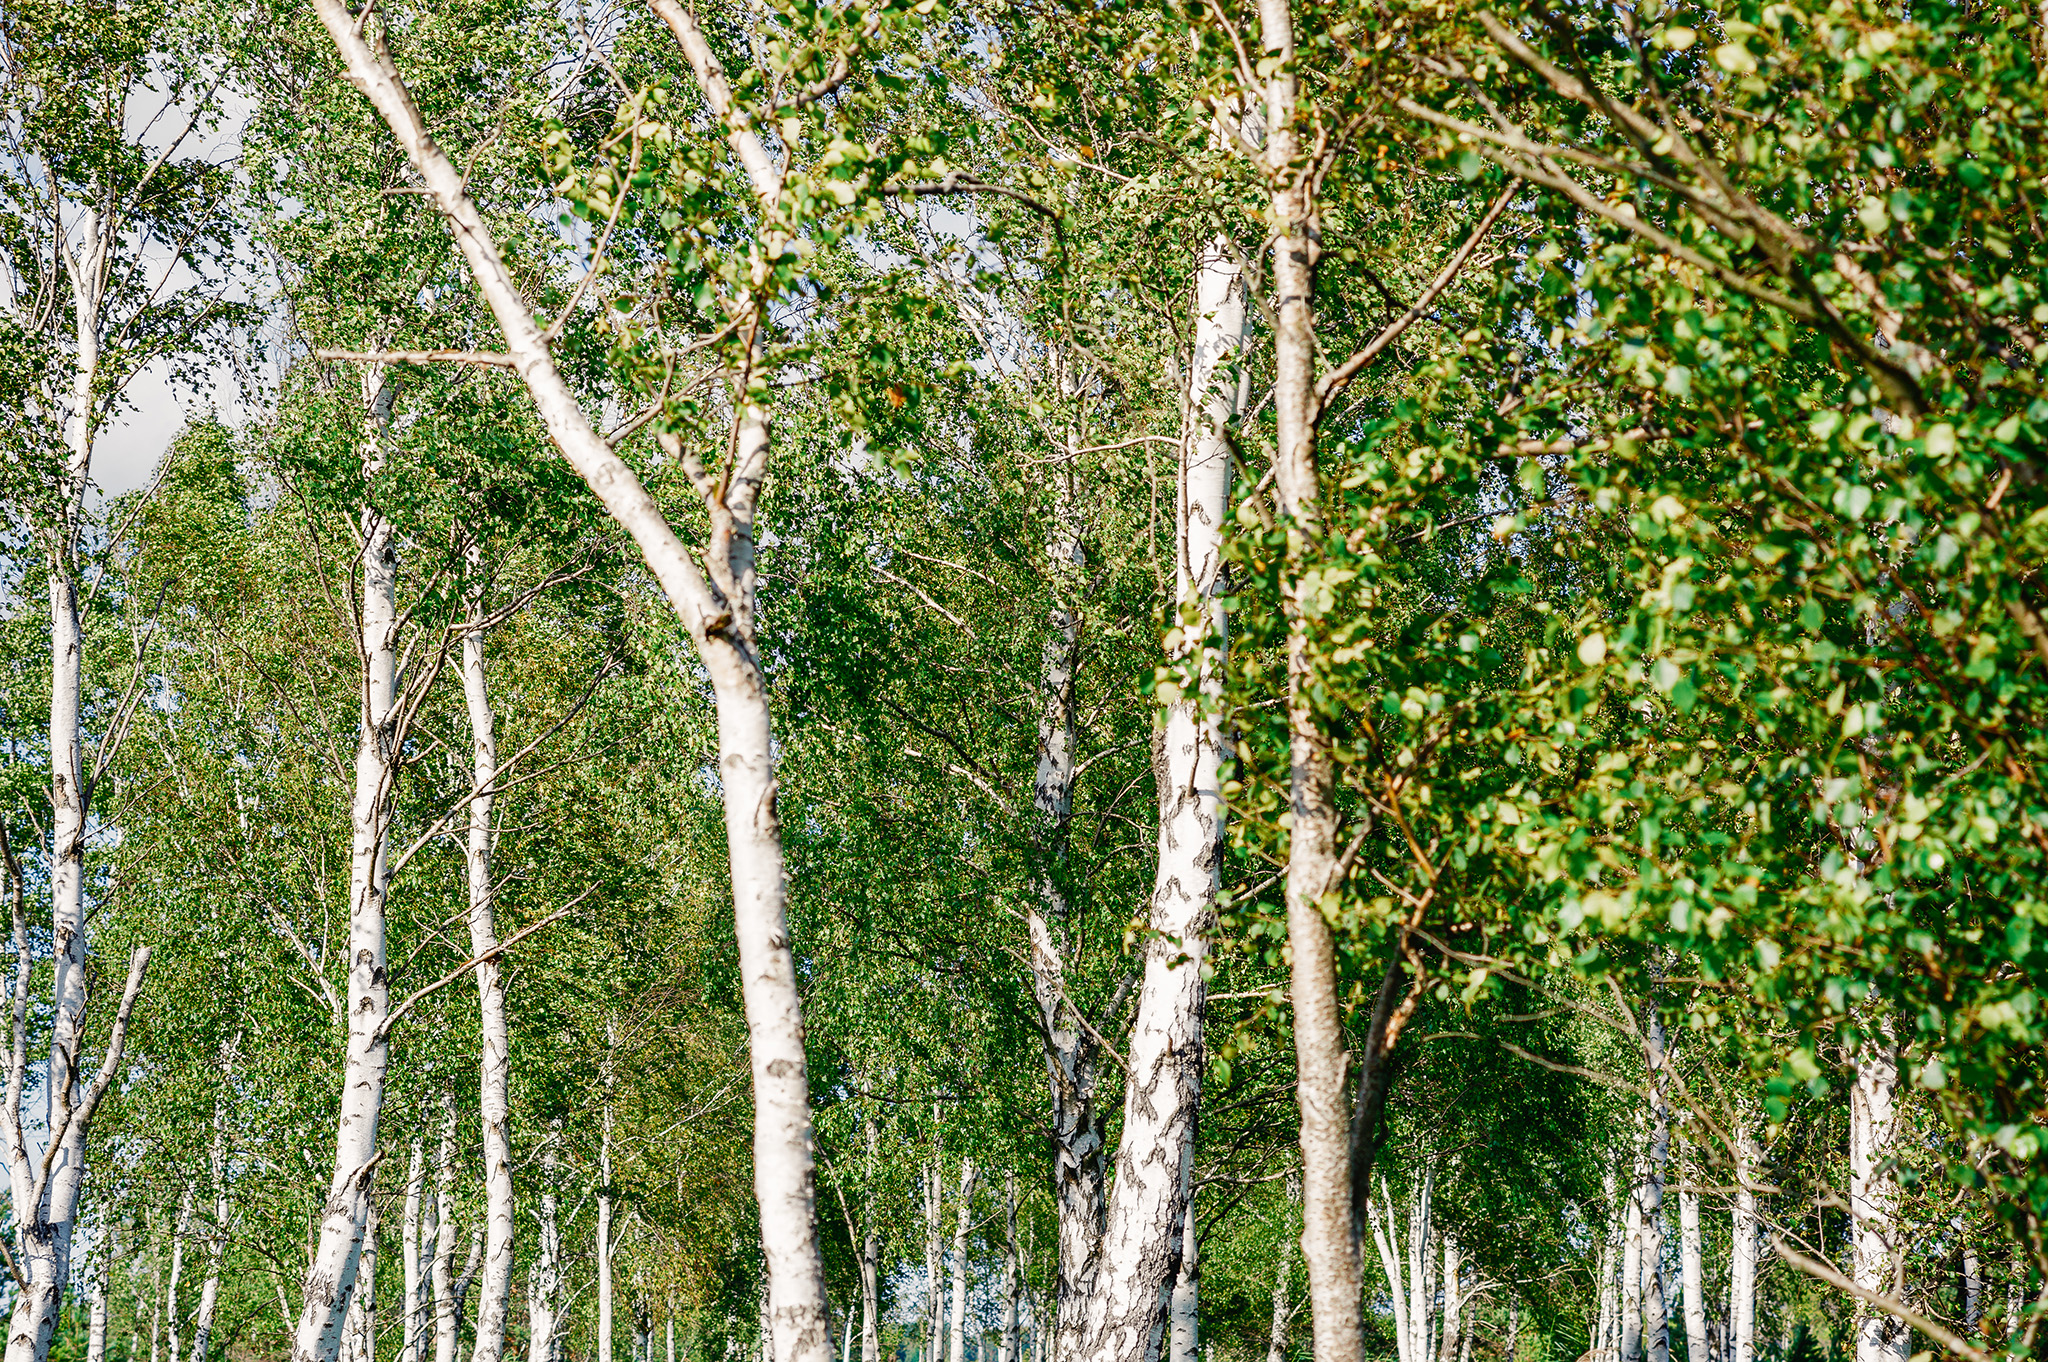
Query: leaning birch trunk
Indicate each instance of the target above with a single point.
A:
(1143, 1230)
(411, 1348)
(1742, 1254)
(1692, 1265)
(1874, 1197)
(332, 1273)
(544, 1278)
(1656, 1323)
(495, 1298)
(719, 616)
(1329, 1237)
(963, 1224)
(447, 1308)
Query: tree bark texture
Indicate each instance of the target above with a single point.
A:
(963, 1224)
(1330, 1240)
(413, 1337)
(447, 1309)
(1691, 1259)
(1874, 1199)
(494, 1300)
(544, 1277)
(1744, 1238)
(719, 616)
(332, 1274)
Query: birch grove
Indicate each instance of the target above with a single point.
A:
(1261, 679)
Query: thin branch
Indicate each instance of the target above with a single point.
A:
(485, 357)
(391, 1019)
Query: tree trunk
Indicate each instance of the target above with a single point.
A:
(1742, 1254)
(1007, 1351)
(1692, 1266)
(179, 1230)
(1380, 1216)
(1606, 1339)
(1421, 1283)
(331, 1276)
(1283, 1302)
(1656, 1313)
(1632, 1264)
(1329, 1239)
(217, 1236)
(1454, 1264)
(447, 1310)
(1874, 1198)
(495, 1299)
(1973, 1287)
(1143, 1235)
(544, 1278)
(719, 615)
(963, 1224)
(1184, 1310)
(412, 1347)
(604, 1209)
(934, 1261)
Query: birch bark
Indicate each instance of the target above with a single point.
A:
(411, 1348)
(331, 1275)
(963, 1224)
(934, 1254)
(544, 1277)
(1142, 1241)
(1656, 1327)
(1329, 1240)
(719, 616)
(1283, 1304)
(46, 1192)
(1692, 1266)
(216, 1238)
(1454, 1264)
(604, 1212)
(1184, 1323)
(495, 1298)
(180, 1229)
(447, 1310)
(1070, 1048)
(1632, 1264)
(1607, 1343)
(1007, 1349)
(1873, 1199)
(1744, 1233)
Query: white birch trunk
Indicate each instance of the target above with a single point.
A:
(331, 1276)
(1141, 1252)
(1606, 1337)
(217, 1238)
(1380, 1219)
(96, 1323)
(45, 1194)
(934, 1255)
(1454, 1265)
(719, 615)
(1007, 1350)
(1744, 1232)
(1873, 1200)
(1632, 1265)
(179, 1230)
(1973, 1286)
(412, 1346)
(1421, 1279)
(671, 1332)
(1656, 1328)
(604, 1215)
(964, 1222)
(1184, 1325)
(447, 1316)
(1692, 1265)
(1283, 1301)
(495, 1298)
(544, 1277)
